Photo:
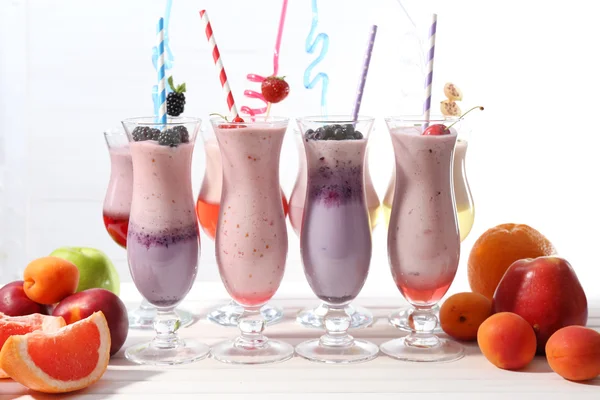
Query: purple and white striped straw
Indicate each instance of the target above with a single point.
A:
(429, 77)
(363, 76)
(160, 67)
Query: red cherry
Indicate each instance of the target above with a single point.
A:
(436, 130)
(238, 119)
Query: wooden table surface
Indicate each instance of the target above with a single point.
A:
(472, 377)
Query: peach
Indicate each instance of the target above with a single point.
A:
(507, 341)
(462, 313)
(573, 352)
(48, 280)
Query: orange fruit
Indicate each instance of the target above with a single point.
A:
(48, 280)
(69, 359)
(497, 249)
(10, 326)
(507, 341)
(573, 352)
(462, 313)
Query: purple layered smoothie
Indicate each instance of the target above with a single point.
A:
(163, 237)
(336, 237)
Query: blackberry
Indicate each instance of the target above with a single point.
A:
(183, 133)
(175, 99)
(169, 137)
(142, 133)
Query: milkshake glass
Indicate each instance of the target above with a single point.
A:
(207, 208)
(163, 238)
(312, 317)
(423, 238)
(465, 212)
(251, 241)
(115, 213)
(335, 237)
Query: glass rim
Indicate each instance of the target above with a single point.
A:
(336, 118)
(171, 121)
(421, 119)
(259, 120)
(115, 131)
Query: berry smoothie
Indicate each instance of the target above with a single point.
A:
(298, 195)
(251, 241)
(209, 197)
(117, 201)
(163, 238)
(336, 237)
(423, 240)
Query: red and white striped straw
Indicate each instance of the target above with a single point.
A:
(219, 64)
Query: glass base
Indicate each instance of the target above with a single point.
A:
(445, 351)
(186, 351)
(143, 317)
(271, 352)
(400, 319)
(359, 351)
(229, 314)
(360, 317)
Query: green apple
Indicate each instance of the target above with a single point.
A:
(96, 270)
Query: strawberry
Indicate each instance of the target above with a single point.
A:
(274, 89)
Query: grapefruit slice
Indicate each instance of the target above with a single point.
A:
(69, 359)
(10, 326)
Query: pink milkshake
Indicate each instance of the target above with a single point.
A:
(251, 240)
(117, 201)
(163, 230)
(163, 241)
(423, 238)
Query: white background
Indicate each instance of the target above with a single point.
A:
(71, 68)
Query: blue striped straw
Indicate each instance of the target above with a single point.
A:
(429, 78)
(363, 76)
(160, 67)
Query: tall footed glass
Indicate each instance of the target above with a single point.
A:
(251, 240)
(207, 208)
(335, 238)
(312, 317)
(423, 237)
(163, 243)
(115, 213)
(465, 212)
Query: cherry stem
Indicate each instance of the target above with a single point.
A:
(219, 115)
(462, 116)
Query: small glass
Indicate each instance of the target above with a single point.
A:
(115, 213)
(423, 237)
(163, 242)
(251, 237)
(312, 317)
(207, 208)
(335, 237)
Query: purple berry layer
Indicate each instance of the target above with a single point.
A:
(163, 238)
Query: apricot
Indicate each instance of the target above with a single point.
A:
(48, 280)
(573, 352)
(507, 341)
(462, 313)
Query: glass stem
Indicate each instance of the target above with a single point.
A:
(166, 325)
(337, 322)
(422, 321)
(146, 306)
(251, 324)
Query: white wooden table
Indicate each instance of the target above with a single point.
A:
(472, 377)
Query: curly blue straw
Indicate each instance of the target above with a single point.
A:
(311, 46)
(169, 59)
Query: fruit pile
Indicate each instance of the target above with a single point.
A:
(453, 94)
(168, 137)
(525, 300)
(61, 323)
